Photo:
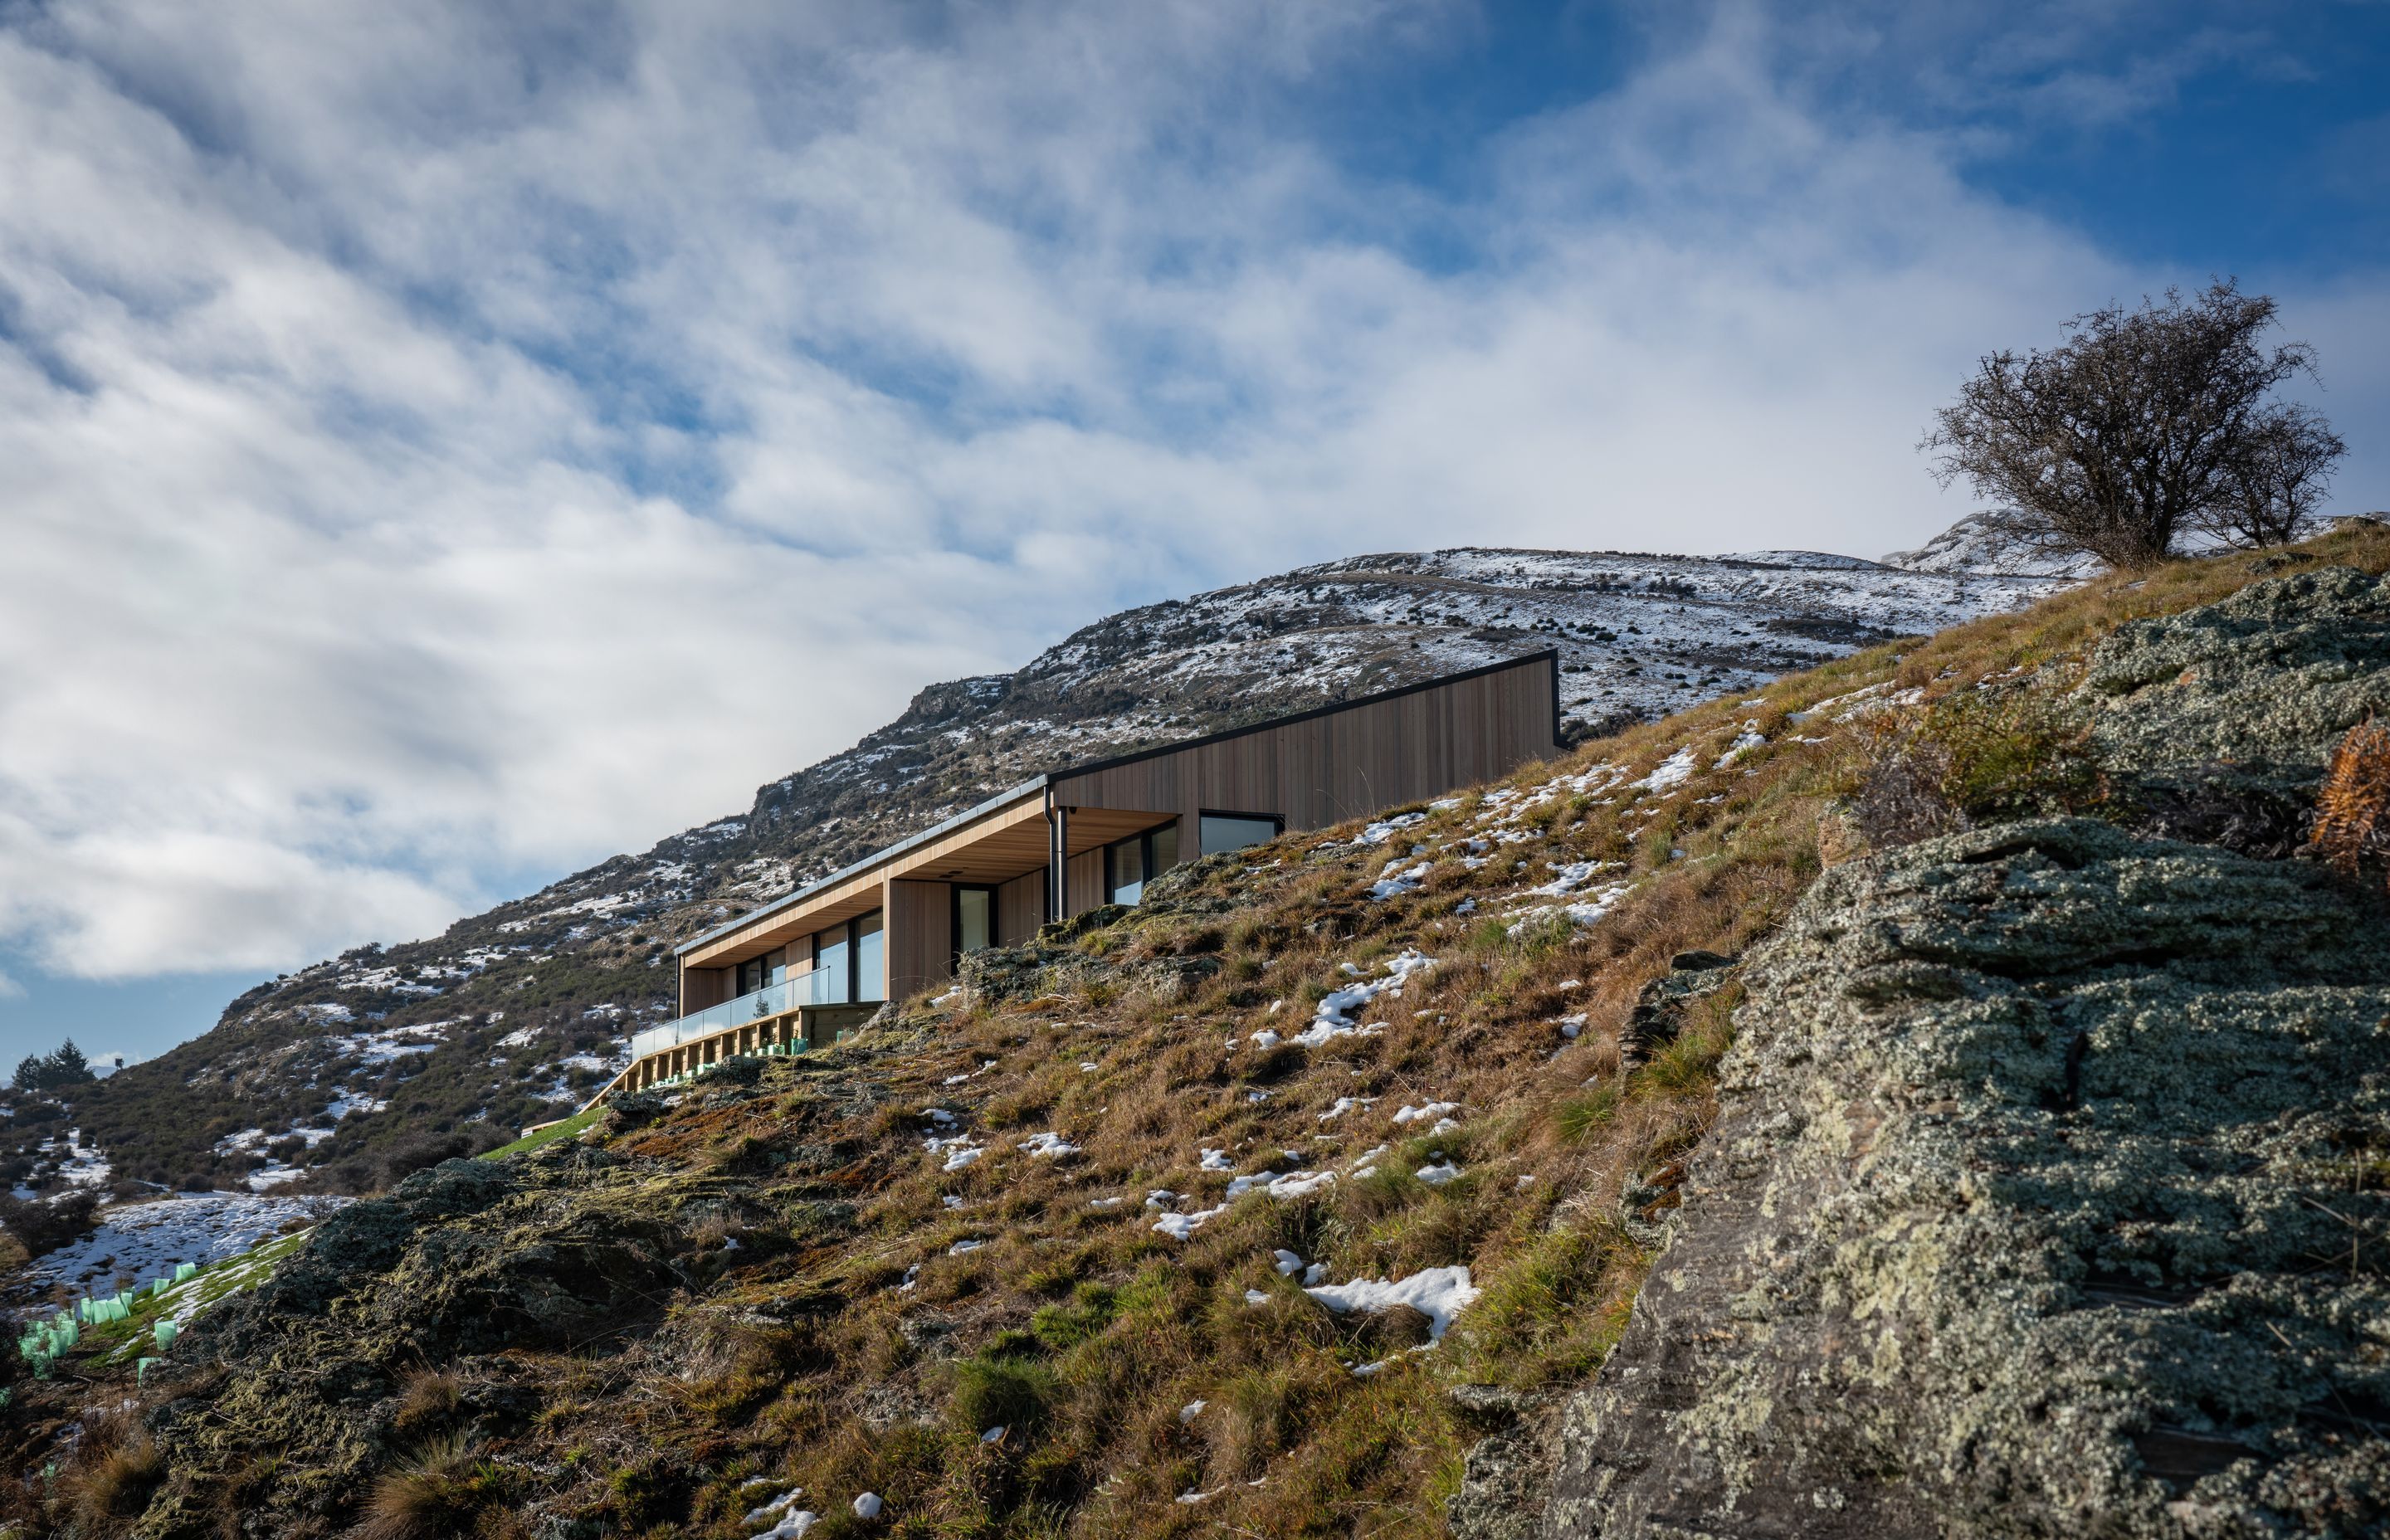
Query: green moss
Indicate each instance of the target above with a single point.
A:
(570, 1128)
(121, 1342)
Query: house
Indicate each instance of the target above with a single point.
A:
(799, 971)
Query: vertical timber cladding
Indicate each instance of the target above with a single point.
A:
(916, 935)
(1340, 763)
(701, 987)
(1019, 908)
(1083, 886)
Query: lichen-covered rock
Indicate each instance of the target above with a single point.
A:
(1023, 972)
(2039, 1205)
(2266, 680)
(1053, 967)
(1506, 1473)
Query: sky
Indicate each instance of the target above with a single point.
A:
(445, 444)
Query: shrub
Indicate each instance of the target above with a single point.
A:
(44, 1227)
(427, 1397)
(2353, 808)
(2012, 755)
(117, 1481)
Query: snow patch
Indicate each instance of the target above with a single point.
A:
(1438, 1293)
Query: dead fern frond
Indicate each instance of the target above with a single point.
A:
(2353, 809)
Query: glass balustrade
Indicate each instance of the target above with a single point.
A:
(771, 1000)
(821, 986)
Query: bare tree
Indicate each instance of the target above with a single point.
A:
(2143, 425)
(2272, 489)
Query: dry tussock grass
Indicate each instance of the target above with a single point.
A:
(115, 1468)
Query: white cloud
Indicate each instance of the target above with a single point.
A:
(421, 466)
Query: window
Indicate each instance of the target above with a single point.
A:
(832, 959)
(870, 957)
(1125, 871)
(848, 962)
(761, 972)
(1130, 864)
(1236, 831)
(974, 919)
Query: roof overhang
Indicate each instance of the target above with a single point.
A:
(1030, 790)
(1004, 837)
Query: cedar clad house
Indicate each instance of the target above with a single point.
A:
(803, 968)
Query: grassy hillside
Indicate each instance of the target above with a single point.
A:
(1043, 1262)
(354, 1070)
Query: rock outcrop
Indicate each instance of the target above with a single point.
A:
(2038, 1209)
(2050, 1188)
(2215, 724)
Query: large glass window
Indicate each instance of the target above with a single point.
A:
(871, 958)
(831, 960)
(1236, 831)
(1131, 863)
(761, 972)
(974, 919)
(848, 962)
(1124, 874)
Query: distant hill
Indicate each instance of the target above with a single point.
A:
(351, 1070)
(1976, 544)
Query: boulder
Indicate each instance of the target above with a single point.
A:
(2036, 1208)
(2266, 680)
